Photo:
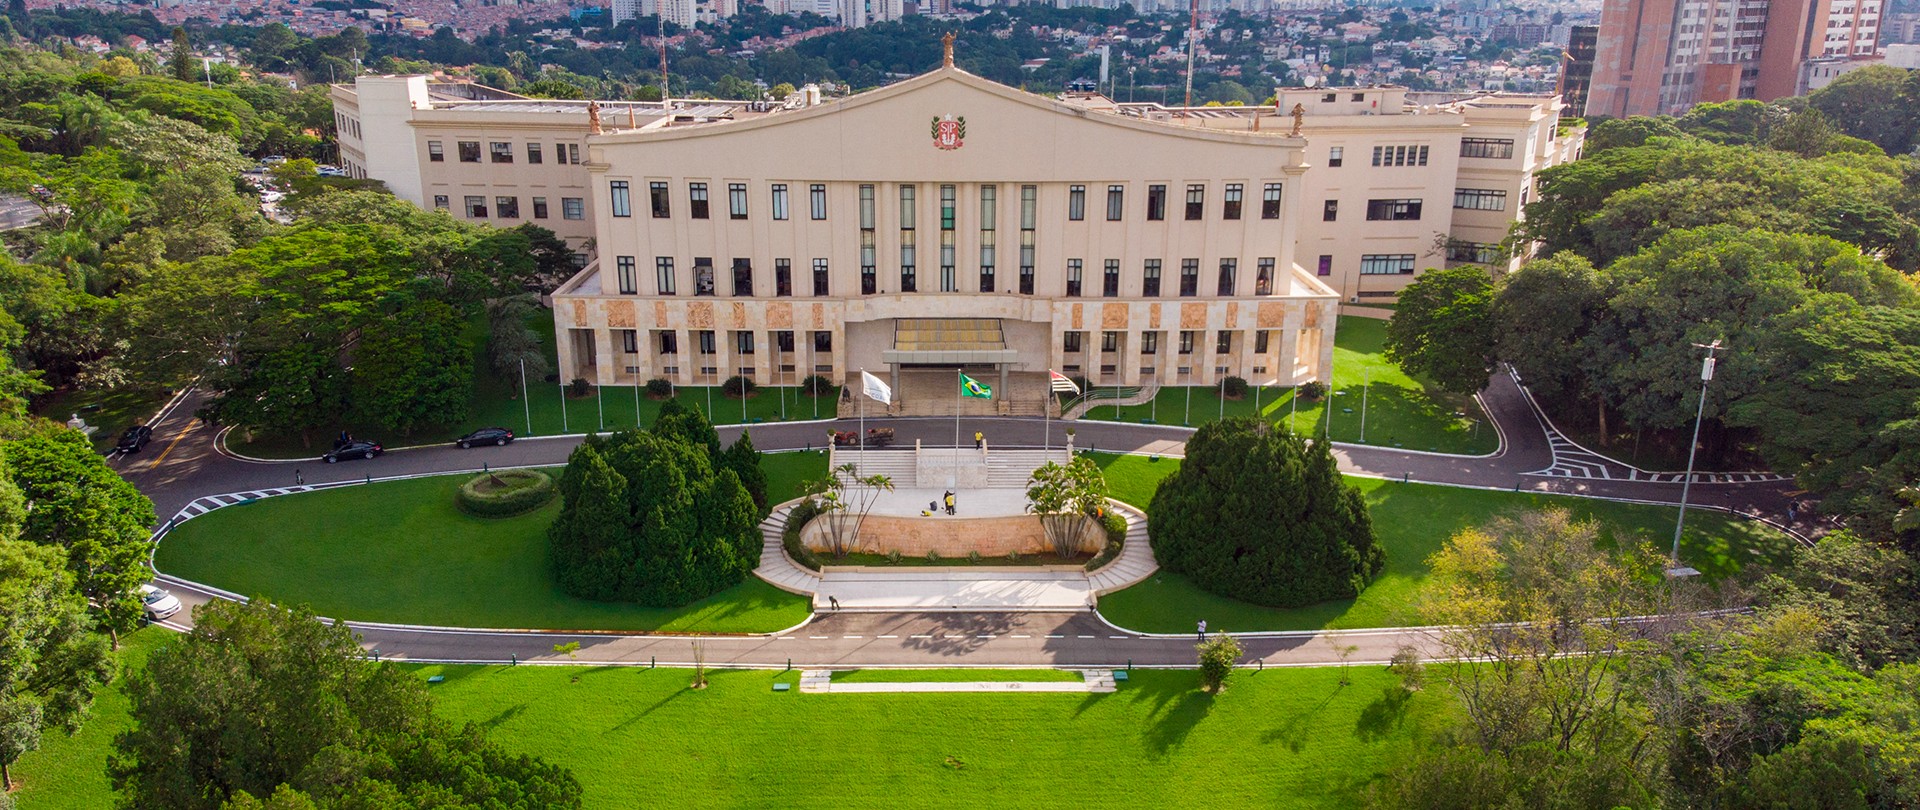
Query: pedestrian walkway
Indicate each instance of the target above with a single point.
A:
(1572, 460)
(1135, 562)
(957, 589)
(776, 568)
(820, 682)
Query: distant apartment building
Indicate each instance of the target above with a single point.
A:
(683, 13)
(1664, 56)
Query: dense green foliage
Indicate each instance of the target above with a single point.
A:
(53, 661)
(1443, 329)
(506, 493)
(653, 518)
(98, 521)
(1261, 515)
(797, 519)
(261, 702)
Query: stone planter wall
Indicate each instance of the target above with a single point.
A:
(949, 536)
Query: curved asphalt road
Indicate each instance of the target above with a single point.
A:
(184, 463)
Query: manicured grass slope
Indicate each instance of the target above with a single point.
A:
(71, 771)
(1279, 738)
(403, 552)
(1412, 521)
(1400, 411)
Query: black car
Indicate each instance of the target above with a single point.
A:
(135, 438)
(487, 435)
(354, 449)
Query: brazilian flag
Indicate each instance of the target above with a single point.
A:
(970, 387)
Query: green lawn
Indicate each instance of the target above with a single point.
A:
(1412, 521)
(1400, 411)
(547, 412)
(110, 411)
(402, 552)
(71, 771)
(1279, 738)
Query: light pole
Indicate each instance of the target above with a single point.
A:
(1686, 484)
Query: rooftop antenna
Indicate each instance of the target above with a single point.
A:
(1193, 38)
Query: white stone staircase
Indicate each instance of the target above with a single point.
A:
(775, 567)
(902, 466)
(1135, 562)
(1012, 468)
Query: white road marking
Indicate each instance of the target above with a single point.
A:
(1055, 635)
(919, 636)
(853, 636)
(1086, 636)
(1120, 637)
(881, 636)
(1021, 636)
(819, 637)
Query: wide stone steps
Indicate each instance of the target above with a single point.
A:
(901, 466)
(775, 567)
(1135, 562)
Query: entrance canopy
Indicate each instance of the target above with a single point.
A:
(948, 341)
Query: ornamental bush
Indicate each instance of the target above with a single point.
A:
(816, 386)
(1259, 514)
(1233, 387)
(738, 387)
(659, 388)
(505, 493)
(797, 519)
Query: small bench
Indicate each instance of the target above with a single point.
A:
(1119, 675)
(436, 679)
(783, 687)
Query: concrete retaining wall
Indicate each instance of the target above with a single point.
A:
(949, 536)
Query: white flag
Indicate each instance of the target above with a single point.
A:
(876, 389)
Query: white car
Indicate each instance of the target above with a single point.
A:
(160, 604)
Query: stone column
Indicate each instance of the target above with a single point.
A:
(565, 362)
(604, 359)
(1286, 359)
(1328, 317)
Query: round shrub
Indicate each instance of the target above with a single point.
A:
(737, 386)
(1259, 514)
(505, 493)
(578, 388)
(1234, 387)
(1312, 390)
(659, 388)
(816, 386)
(1115, 526)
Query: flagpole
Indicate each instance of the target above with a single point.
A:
(960, 376)
(861, 440)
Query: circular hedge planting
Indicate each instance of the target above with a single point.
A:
(506, 493)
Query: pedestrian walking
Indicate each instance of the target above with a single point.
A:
(298, 479)
(1202, 634)
(833, 602)
(1792, 512)
(979, 440)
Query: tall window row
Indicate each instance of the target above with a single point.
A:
(661, 206)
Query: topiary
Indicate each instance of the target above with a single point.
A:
(577, 388)
(1261, 515)
(738, 387)
(659, 388)
(1311, 390)
(505, 493)
(816, 386)
(1233, 387)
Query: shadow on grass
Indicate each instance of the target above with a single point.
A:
(505, 715)
(1178, 704)
(1293, 732)
(1382, 718)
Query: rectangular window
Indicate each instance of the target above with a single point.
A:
(1336, 156)
(743, 277)
(663, 274)
(909, 278)
(868, 274)
(539, 208)
(1393, 210)
(817, 193)
(1110, 282)
(743, 341)
(1480, 199)
(823, 341)
(697, 200)
(1150, 279)
(706, 341)
(782, 277)
(1156, 203)
(1386, 264)
(533, 152)
(989, 219)
(1263, 277)
(779, 201)
(703, 276)
(1270, 201)
(1029, 204)
(1196, 201)
(909, 261)
(507, 207)
(1229, 268)
(1223, 342)
(573, 208)
(1261, 340)
(1073, 278)
(1116, 202)
(630, 341)
(1400, 156)
(1326, 265)
(657, 197)
(1189, 278)
(1186, 341)
(622, 206)
(570, 150)
(1149, 342)
(1109, 342)
(440, 201)
(1076, 203)
(948, 201)
(502, 151)
(469, 151)
(819, 276)
(669, 342)
(1231, 209)
(736, 200)
(1330, 211)
(624, 273)
(1070, 342)
(1474, 252)
(783, 341)
(1495, 148)
(435, 152)
(476, 208)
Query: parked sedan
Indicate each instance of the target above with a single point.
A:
(354, 449)
(135, 438)
(160, 604)
(487, 435)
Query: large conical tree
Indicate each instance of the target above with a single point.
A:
(180, 61)
(744, 461)
(1261, 515)
(586, 542)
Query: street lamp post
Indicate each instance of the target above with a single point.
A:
(1686, 484)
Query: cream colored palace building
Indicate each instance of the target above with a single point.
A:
(948, 221)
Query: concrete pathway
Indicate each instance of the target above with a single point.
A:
(955, 589)
(820, 681)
